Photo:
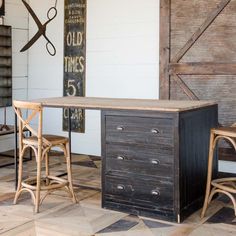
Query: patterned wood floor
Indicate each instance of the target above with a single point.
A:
(59, 216)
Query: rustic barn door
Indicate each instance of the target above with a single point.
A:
(198, 53)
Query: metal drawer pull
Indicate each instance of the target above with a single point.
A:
(120, 187)
(120, 128)
(155, 162)
(155, 193)
(155, 131)
(120, 158)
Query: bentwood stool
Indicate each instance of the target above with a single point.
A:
(41, 145)
(223, 185)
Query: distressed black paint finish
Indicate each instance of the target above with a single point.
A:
(74, 59)
(156, 174)
(141, 191)
(123, 158)
(5, 66)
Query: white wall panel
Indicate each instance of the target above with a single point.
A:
(20, 83)
(16, 16)
(19, 59)
(122, 60)
(227, 166)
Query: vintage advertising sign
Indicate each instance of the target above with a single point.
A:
(74, 59)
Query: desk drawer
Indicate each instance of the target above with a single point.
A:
(139, 130)
(140, 160)
(151, 193)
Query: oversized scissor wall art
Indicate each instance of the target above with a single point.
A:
(42, 28)
(5, 66)
(74, 59)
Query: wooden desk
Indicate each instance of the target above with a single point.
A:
(154, 153)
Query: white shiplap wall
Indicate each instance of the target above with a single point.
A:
(17, 17)
(122, 59)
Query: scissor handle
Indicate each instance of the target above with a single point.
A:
(50, 48)
(52, 13)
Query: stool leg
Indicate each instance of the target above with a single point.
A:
(47, 167)
(20, 170)
(209, 173)
(38, 183)
(69, 172)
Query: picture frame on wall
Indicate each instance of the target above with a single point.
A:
(2, 7)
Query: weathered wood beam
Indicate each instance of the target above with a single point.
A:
(184, 87)
(202, 68)
(164, 79)
(212, 16)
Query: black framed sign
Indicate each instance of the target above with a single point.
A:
(2, 7)
(74, 59)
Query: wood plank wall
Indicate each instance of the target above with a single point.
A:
(198, 59)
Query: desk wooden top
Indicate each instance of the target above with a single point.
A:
(122, 103)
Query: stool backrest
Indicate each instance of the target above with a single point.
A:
(35, 111)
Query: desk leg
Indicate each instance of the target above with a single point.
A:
(15, 153)
(69, 129)
(69, 137)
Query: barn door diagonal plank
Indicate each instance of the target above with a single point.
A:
(184, 87)
(200, 30)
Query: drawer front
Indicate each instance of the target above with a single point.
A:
(141, 160)
(135, 130)
(150, 193)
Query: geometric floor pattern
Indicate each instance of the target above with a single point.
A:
(60, 217)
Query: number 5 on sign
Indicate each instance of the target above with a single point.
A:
(71, 89)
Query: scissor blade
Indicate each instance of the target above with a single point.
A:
(31, 42)
(30, 10)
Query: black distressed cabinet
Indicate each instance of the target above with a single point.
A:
(155, 163)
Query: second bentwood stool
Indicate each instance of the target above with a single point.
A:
(222, 185)
(41, 145)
